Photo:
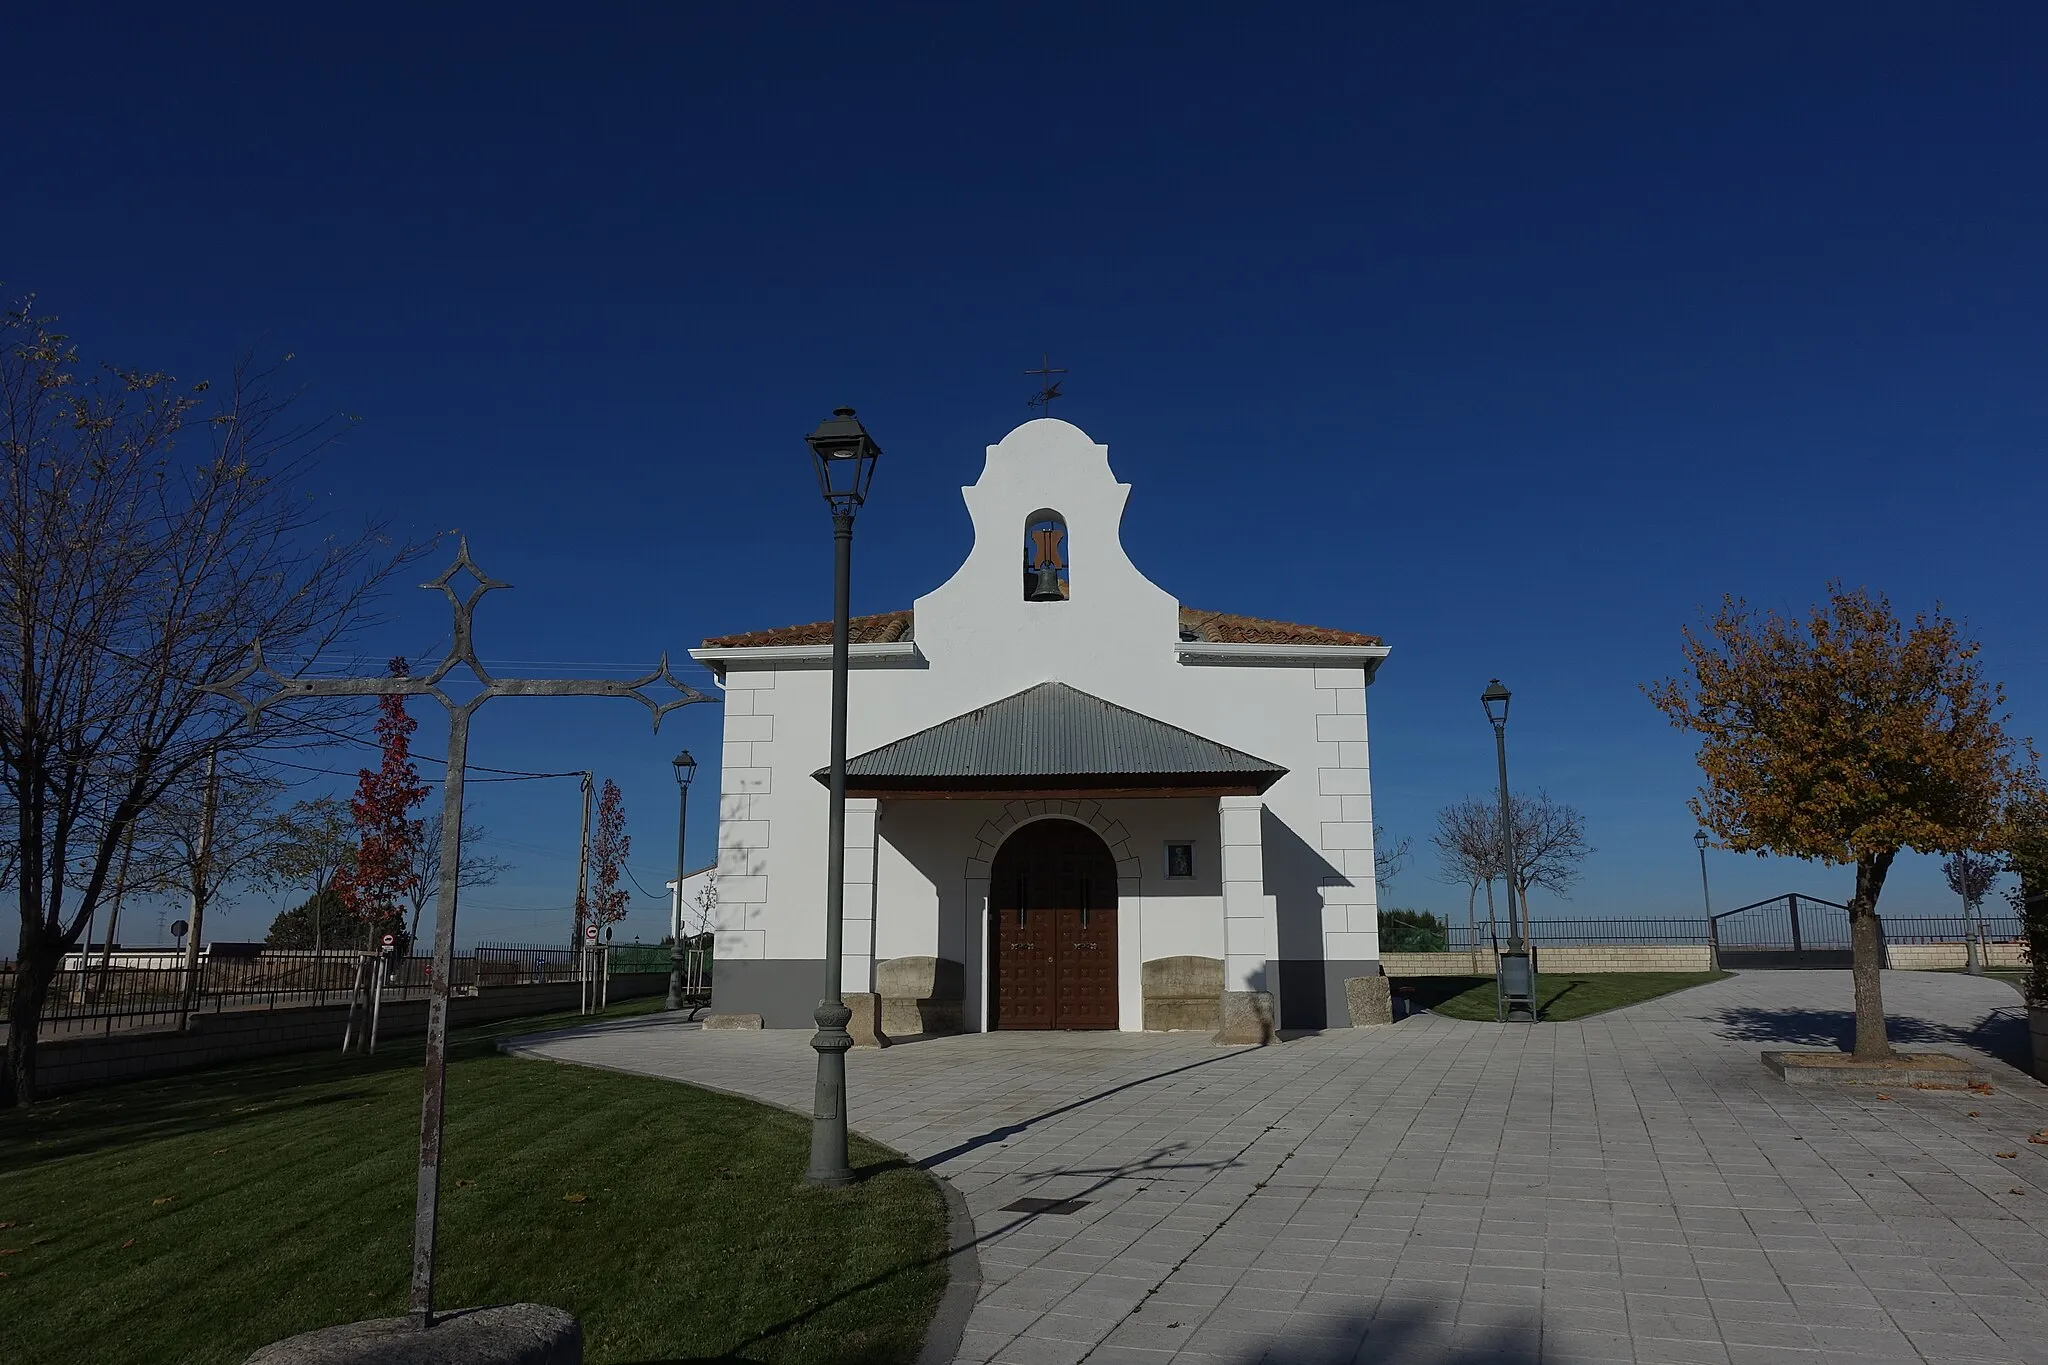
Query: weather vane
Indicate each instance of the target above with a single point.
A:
(1041, 402)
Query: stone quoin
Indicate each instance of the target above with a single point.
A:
(1207, 775)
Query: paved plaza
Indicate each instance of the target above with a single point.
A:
(1634, 1187)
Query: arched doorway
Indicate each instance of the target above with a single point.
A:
(1052, 930)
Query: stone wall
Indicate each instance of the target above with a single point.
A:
(80, 1063)
(1941, 957)
(1592, 957)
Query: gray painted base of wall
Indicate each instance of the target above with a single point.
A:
(1312, 991)
(784, 991)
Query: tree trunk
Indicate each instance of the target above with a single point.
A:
(2034, 925)
(1866, 940)
(32, 977)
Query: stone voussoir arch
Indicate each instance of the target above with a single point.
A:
(1017, 814)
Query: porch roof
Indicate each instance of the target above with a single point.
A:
(1053, 739)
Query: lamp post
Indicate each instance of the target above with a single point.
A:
(845, 457)
(1516, 982)
(1700, 840)
(678, 956)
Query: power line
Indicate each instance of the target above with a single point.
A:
(435, 758)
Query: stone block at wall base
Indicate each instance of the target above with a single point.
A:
(866, 1024)
(921, 995)
(1247, 1018)
(1183, 993)
(1370, 1000)
(511, 1334)
(732, 1021)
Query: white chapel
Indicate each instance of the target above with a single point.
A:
(1073, 801)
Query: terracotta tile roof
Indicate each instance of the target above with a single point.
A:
(884, 627)
(1221, 627)
(1215, 627)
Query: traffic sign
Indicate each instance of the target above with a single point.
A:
(590, 934)
(390, 940)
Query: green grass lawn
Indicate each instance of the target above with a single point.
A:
(195, 1218)
(2015, 977)
(1558, 998)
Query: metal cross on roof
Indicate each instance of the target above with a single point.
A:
(461, 654)
(1041, 402)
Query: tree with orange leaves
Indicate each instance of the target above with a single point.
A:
(608, 853)
(384, 870)
(1846, 737)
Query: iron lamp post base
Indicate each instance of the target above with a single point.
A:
(830, 1168)
(676, 961)
(1517, 987)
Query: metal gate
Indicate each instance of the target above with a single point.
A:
(1784, 931)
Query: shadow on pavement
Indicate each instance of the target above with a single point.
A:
(1010, 1130)
(1403, 1333)
(2001, 1033)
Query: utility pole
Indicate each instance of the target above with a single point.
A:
(582, 870)
(114, 919)
(1973, 950)
(199, 887)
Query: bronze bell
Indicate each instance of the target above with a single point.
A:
(1048, 587)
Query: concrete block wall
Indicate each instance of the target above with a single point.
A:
(80, 1063)
(1619, 957)
(1944, 957)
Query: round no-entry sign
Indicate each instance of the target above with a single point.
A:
(590, 934)
(390, 940)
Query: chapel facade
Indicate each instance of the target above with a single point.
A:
(1073, 802)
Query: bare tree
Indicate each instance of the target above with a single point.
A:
(316, 842)
(204, 835)
(1467, 841)
(1388, 858)
(1550, 843)
(1970, 876)
(148, 533)
(476, 869)
(705, 904)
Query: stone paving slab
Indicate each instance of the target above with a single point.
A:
(1633, 1187)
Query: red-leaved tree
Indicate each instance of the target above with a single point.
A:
(384, 873)
(608, 852)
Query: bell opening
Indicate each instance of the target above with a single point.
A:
(1045, 557)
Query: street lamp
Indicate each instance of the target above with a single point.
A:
(845, 457)
(1515, 984)
(678, 957)
(1700, 841)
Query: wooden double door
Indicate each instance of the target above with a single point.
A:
(1052, 930)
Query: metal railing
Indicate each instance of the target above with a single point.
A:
(1564, 933)
(1952, 928)
(141, 990)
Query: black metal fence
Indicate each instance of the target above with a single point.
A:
(1951, 929)
(1557, 933)
(1781, 924)
(514, 964)
(138, 990)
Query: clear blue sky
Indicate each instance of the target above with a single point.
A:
(1513, 333)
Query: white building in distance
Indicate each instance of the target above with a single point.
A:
(1073, 803)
